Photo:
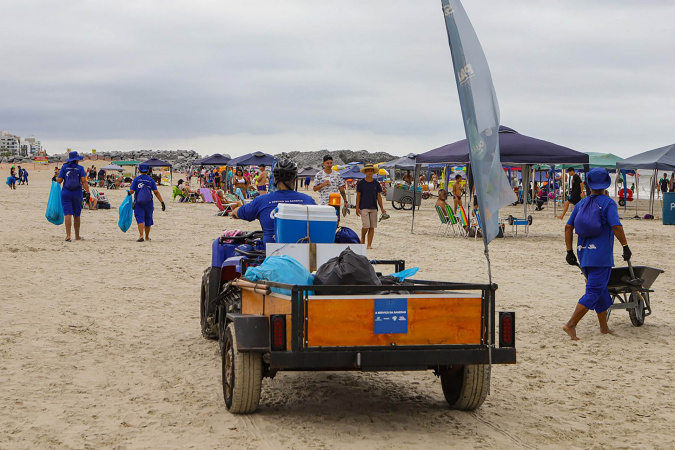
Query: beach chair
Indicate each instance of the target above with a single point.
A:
(463, 220)
(177, 193)
(477, 224)
(444, 221)
(207, 195)
(458, 231)
(223, 210)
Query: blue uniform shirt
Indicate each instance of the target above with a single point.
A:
(67, 167)
(142, 179)
(262, 208)
(598, 251)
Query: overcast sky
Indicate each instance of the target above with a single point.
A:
(237, 76)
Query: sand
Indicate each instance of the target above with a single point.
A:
(100, 345)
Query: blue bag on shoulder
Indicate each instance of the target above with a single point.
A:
(281, 269)
(54, 212)
(589, 220)
(126, 213)
(346, 235)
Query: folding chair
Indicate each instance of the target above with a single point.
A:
(463, 220)
(224, 210)
(477, 225)
(177, 193)
(453, 221)
(444, 220)
(207, 195)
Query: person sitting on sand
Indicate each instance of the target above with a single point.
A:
(185, 189)
(443, 201)
(596, 231)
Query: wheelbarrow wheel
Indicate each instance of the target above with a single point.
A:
(465, 387)
(637, 314)
(396, 205)
(407, 203)
(242, 376)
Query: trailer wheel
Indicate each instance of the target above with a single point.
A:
(622, 202)
(465, 387)
(637, 314)
(407, 203)
(396, 205)
(242, 376)
(208, 330)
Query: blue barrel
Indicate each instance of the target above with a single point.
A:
(669, 208)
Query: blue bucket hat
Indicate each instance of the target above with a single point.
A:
(74, 156)
(598, 179)
(143, 168)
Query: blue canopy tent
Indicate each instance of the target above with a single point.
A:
(662, 158)
(252, 159)
(403, 163)
(352, 172)
(213, 160)
(514, 149)
(154, 162)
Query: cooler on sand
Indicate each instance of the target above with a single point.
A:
(292, 223)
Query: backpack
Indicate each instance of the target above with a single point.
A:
(589, 221)
(143, 192)
(72, 179)
(346, 235)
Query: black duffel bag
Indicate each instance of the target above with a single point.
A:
(348, 269)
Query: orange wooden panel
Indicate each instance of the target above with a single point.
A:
(431, 321)
(254, 303)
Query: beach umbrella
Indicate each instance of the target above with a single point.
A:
(112, 167)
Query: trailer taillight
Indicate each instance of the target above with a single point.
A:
(278, 324)
(507, 329)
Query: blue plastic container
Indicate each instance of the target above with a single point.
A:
(669, 208)
(291, 220)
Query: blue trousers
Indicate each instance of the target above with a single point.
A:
(597, 295)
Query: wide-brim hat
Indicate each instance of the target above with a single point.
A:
(142, 168)
(74, 156)
(598, 179)
(369, 166)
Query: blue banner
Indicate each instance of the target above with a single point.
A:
(390, 315)
(480, 112)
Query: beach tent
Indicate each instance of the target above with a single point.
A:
(112, 167)
(213, 160)
(308, 172)
(154, 162)
(403, 163)
(658, 159)
(252, 159)
(514, 148)
(352, 172)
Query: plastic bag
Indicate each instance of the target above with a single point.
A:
(347, 269)
(54, 212)
(588, 222)
(126, 213)
(281, 269)
(346, 235)
(407, 273)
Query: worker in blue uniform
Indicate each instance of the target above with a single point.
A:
(143, 187)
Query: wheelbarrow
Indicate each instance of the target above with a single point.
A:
(630, 289)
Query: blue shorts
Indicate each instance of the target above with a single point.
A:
(597, 295)
(72, 202)
(143, 213)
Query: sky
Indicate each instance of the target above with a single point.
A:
(233, 77)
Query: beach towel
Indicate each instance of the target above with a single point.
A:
(54, 212)
(126, 214)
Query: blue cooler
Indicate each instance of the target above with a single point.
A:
(669, 208)
(291, 220)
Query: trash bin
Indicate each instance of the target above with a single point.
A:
(669, 208)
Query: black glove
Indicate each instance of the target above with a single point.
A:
(571, 258)
(128, 193)
(163, 207)
(133, 205)
(626, 253)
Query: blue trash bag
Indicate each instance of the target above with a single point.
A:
(281, 269)
(345, 235)
(126, 214)
(407, 273)
(54, 212)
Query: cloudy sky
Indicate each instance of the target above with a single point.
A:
(235, 76)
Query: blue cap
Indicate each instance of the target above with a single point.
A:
(142, 168)
(74, 156)
(598, 179)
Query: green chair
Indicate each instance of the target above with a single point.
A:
(452, 218)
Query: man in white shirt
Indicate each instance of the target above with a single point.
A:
(328, 181)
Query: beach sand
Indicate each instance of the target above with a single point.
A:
(100, 345)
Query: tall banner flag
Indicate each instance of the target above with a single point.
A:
(480, 112)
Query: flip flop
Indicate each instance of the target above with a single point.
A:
(140, 240)
(69, 240)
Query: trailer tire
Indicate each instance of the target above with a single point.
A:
(242, 376)
(465, 387)
(208, 330)
(637, 314)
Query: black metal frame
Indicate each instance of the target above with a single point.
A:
(418, 357)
